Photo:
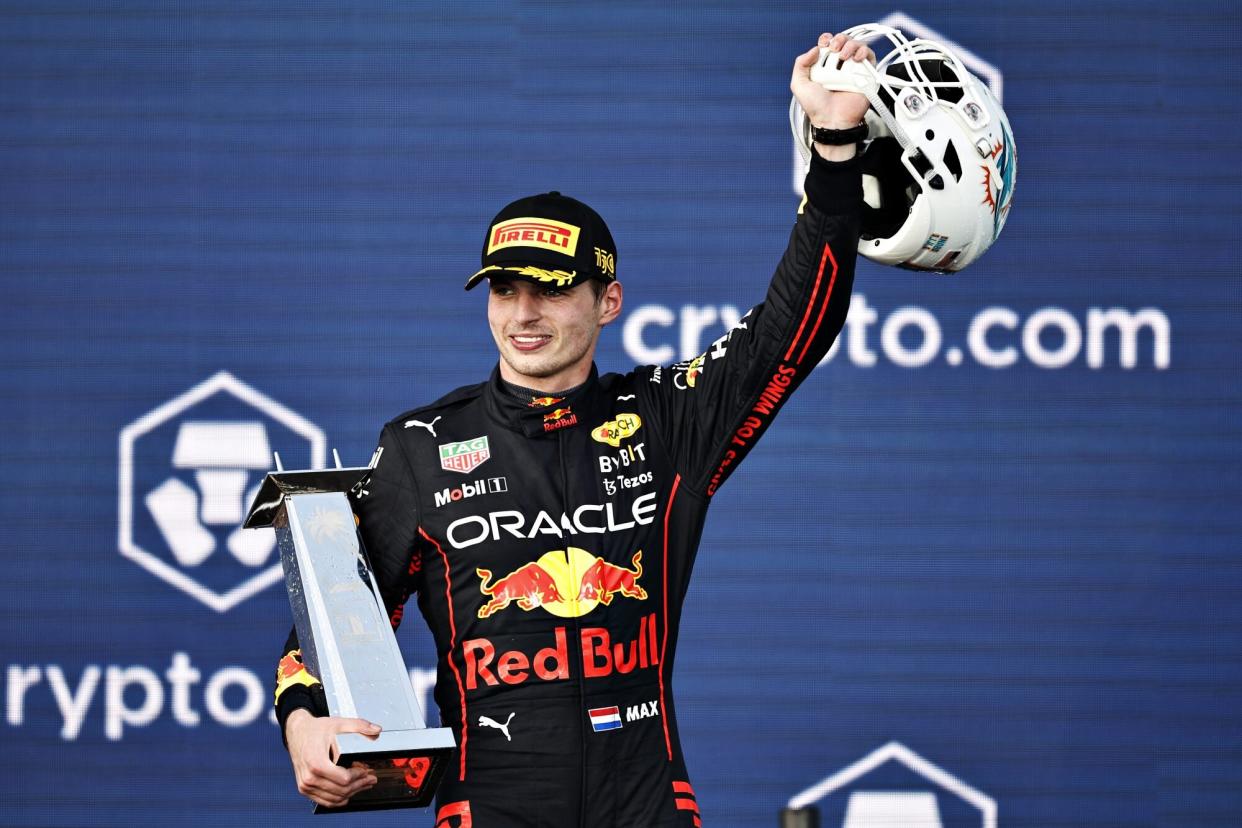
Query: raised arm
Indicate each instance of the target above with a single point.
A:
(714, 408)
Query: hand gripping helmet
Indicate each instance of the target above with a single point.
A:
(940, 164)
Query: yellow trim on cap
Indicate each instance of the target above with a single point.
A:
(561, 278)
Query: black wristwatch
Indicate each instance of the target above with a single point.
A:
(839, 137)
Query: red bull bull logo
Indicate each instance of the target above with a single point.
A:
(290, 671)
(289, 666)
(562, 417)
(568, 583)
(529, 586)
(544, 402)
(604, 580)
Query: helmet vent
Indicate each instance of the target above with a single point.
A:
(952, 161)
(888, 188)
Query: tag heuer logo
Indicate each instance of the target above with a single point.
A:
(465, 456)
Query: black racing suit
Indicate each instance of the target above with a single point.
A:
(550, 544)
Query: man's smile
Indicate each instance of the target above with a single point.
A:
(529, 342)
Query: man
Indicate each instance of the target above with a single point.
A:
(548, 518)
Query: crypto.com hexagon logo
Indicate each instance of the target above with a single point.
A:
(188, 471)
(893, 785)
(985, 71)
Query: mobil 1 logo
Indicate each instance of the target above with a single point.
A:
(474, 488)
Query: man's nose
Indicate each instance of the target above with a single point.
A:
(528, 307)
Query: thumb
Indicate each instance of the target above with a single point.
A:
(802, 66)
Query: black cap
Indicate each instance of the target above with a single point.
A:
(549, 239)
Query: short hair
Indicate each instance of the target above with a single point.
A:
(598, 286)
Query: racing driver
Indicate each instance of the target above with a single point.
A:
(547, 519)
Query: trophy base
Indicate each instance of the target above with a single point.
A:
(807, 817)
(407, 763)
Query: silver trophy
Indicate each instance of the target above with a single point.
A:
(346, 639)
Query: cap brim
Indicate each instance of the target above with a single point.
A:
(476, 278)
(529, 273)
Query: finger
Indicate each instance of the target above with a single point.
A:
(359, 772)
(866, 54)
(363, 783)
(836, 43)
(324, 793)
(361, 775)
(807, 58)
(328, 776)
(359, 726)
(333, 797)
(825, 39)
(329, 801)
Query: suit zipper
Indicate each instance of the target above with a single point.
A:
(582, 737)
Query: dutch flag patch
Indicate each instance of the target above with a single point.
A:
(605, 718)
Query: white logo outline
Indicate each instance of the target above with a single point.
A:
(903, 755)
(129, 548)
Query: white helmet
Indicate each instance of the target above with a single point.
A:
(940, 163)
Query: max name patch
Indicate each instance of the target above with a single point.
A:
(548, 234)
(609, 718)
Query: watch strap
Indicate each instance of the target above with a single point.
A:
(839, 137)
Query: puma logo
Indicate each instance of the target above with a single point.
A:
(431, 426)
(487, 721)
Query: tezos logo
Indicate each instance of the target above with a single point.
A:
(893, 785)
(189, 470)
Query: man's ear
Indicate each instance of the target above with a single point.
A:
(611, 300)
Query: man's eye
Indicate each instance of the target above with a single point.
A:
(553, 292)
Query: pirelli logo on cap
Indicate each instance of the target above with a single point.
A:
(534, 232)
